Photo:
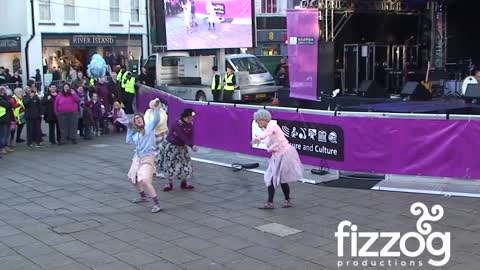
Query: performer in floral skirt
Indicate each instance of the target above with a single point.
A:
(284, 165)
(174, 157)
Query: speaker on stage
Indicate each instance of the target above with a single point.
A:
(370, 88)
(416, 91)
(473, 91)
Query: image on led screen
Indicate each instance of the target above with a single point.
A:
(205, 24)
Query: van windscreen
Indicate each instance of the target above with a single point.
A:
(250, 64)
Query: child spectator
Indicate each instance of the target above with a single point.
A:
(83, 95)
(118, 117)
(97, 115)
(106, 116)
(87, 119)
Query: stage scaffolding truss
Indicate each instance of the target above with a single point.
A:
(334, 15)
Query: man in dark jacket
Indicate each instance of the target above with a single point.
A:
(6, 117)
(33, 115)
(48, 105)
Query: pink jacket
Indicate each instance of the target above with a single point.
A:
(65, 103)
(276, 142)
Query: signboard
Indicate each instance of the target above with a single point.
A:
(92, 40)
(271, 36)
(309, 139)
(314, 139)
(303, 33)
(11, 44)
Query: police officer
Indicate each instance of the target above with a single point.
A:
(216, 84)
(229, 85)
(129, 82)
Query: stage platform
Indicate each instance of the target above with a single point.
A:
(393, 104)
(452, 106)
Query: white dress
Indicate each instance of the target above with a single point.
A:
(187, 13)
(212, 15)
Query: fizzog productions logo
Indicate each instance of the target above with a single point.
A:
(435, 245)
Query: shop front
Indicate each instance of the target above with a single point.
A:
(11, 54)
(64, 51)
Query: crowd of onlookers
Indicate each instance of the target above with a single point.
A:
(84, 107)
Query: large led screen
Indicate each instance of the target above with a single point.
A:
(208, 24)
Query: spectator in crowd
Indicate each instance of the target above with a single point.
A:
(67, 108)
(6, 117)
(48, 102)
(3, 78)
(118, 118)
(79, 81)
(8, 76)
(19, 112)
(16, 80)
(97, 115)
(33, 115)
(72, 74)
(87, 118)
(282, 77)
(129, 83)
(104, 93)
(38, 79)
(283, 63)
(115, 89)
(83, 96)
(145, 79)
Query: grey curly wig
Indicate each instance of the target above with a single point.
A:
(262, 115)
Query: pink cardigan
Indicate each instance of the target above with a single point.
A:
(276, 142)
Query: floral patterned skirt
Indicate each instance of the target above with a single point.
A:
(174, 161)
(159, 138)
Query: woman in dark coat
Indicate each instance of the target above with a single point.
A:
(33, 115)
(104, 93)
(48, 103)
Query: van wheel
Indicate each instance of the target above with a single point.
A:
(201, 96)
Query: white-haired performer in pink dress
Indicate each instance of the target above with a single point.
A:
(284, 165)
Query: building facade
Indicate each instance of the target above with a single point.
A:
(271, 24)
(64, 34)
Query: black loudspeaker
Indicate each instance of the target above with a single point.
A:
(472, 91)
(371, 89)
(416, 91)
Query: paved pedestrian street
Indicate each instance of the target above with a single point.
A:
(68, 207)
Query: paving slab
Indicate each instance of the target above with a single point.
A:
(79, 216)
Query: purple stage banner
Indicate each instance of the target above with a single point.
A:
(424, 147)
(303, 36)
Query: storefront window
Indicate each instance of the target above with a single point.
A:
(271, 50)
(135, 10)
(114, 11)
(69, 10)
(63, 52)
(45, 10)
(269, 6)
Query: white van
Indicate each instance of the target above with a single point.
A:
(189, 77)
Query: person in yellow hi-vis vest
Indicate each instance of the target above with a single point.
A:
(19, 112)
(229, 85)
(6, 117)
(216, 84)
(129, 82)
